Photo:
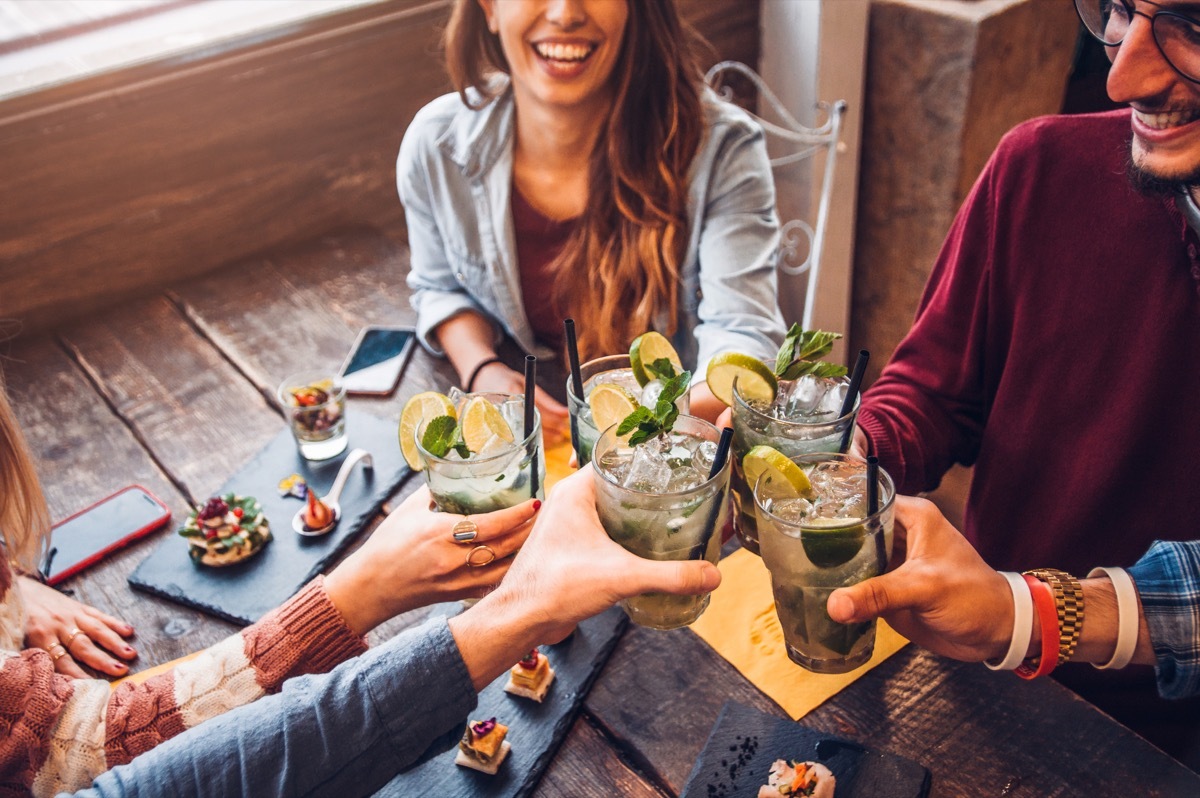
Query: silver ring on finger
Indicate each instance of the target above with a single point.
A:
(465, 531)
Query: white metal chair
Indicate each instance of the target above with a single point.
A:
(809, 141)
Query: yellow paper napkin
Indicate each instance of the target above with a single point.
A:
(741, 625)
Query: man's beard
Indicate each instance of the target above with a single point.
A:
(1151, 185)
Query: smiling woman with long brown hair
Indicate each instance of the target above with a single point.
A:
(583, 170)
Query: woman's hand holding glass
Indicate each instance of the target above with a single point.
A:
(414, 558)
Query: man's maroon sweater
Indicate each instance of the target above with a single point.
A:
(1055, 348)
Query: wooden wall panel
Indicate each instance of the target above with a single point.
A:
(119, 184)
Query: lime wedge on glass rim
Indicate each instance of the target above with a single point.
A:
(423, 407)
(647, 348)
(755, 380)
(481, 421)
(610, 405)
(786, 479)
(828, 542)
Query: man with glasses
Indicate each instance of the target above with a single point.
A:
(1055, 347)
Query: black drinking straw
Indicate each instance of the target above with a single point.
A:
(872, 508)
(856, 378)
(718, 463)
(576, 383)
(530, 385)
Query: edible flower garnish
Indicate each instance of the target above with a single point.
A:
(483, 728)
(293, 485)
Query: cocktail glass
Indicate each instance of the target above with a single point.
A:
(614, 369)
(676, 514)
(805, 417)
(813, 547)
(315, 406)
(500, 476)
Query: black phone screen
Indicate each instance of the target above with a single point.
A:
(378, 358)
(83, 538)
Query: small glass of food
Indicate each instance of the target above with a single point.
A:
(315, 406)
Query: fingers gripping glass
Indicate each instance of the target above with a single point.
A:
(1176, 35)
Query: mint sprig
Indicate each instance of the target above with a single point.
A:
(801, 354)
(661, 369)
(441, 435)
(645, 423)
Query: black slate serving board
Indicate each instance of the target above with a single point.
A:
(244, 592)
(745, 742)
(534, 730)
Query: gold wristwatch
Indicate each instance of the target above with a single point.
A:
(1068, 603)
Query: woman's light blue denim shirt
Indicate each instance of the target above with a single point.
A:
(454, 176)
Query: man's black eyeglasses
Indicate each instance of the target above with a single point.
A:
(1177, 35)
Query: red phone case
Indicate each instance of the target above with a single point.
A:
(157, 523)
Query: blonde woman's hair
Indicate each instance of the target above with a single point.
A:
(24, 516)
(619, 271)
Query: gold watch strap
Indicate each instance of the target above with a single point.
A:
(1068, 603)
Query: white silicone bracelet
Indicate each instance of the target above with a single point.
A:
(1127, 616)
(1022, 623)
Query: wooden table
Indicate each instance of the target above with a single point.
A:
(152, 391)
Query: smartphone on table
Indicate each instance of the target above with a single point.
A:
(93, 533)
(377, 360)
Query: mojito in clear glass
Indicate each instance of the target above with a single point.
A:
(610, 370)
(499, 475)
(804, 417)
(657, 500)
(816, 543)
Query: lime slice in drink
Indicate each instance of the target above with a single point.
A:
(422, 407)
(828, 548)
(755, 380)
(610, 404)
(787, 480)
(647, 348)
(480, 421)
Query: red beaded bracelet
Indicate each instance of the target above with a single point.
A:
(1043, 604)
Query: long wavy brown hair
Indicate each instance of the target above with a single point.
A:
(24, 517)
(619, 271)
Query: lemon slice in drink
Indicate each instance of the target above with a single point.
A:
(424, 407)
(647, 348)
(610, 404)
(755, 380)
(787, 480)
(480, 421)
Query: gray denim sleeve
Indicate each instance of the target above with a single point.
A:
(346, 732)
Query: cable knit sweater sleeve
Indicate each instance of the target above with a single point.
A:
(58, 734)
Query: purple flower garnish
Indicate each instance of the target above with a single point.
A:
(483, 728)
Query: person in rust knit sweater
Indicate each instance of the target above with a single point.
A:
(57, 733)
(1053, 347)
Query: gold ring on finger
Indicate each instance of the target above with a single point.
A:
(465, 530)
(478, 562)
(56, 657)
(71, 637)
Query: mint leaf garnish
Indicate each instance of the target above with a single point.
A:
(802, 351)
(439, 437)
(662, 369)
(645, 423)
